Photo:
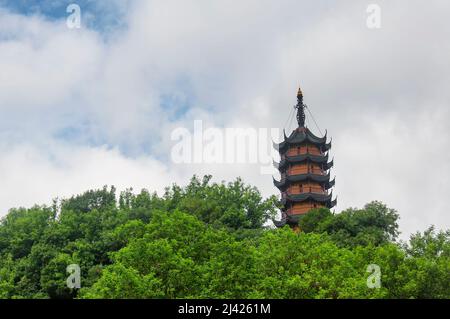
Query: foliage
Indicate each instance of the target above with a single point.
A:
(375, 224)
(212, 240)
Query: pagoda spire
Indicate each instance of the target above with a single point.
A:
(305, 172)
(300, 109)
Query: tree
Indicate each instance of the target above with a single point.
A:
(7, 275)
(120, 282)
(375, 224)
(210, 240)
(233, 205)
(92, 199)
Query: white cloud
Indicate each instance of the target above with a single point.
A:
(381, 93)
(31, 176)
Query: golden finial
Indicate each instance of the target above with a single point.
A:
(299, 93)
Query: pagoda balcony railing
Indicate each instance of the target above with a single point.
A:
(284, 175)
(292, 211)
(291, 171)
(302, 151)
(302, 191)
(307, 189)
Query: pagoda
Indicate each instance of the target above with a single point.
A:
(305, 171)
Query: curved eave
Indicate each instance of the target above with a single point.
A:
(302, 158)
(290, 219)
(286, 219)
(298, 198)
(277, 165)
(329, 165)
(298, 136)
(319, 159)
(325, 199)
(326, 147)
(293, 219)
(279, 223)
(300, 178)
(330, 184)
(313, 138)
(333, 203)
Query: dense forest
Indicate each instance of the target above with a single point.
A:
(213, 240)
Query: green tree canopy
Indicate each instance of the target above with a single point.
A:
(212, 240)
(375, 224)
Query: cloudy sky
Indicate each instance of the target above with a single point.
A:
(85, 107)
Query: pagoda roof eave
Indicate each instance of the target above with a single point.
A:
(329, 165)
(279, 223)
(303, 157)
(327, 201)
(300, 178)
(293, 219)
(333, 203)
(298, 198)
(299, 136)
(284, 163)
(331, 183)
(327, 147)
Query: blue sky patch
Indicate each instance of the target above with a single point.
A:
(100, 15)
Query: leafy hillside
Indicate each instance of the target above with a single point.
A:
(209, 240)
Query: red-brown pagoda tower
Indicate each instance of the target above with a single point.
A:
(304, 168)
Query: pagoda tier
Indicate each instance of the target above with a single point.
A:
(299, 198)
(303, 136)
(305, 171)
(314, 179)
(292, 159)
